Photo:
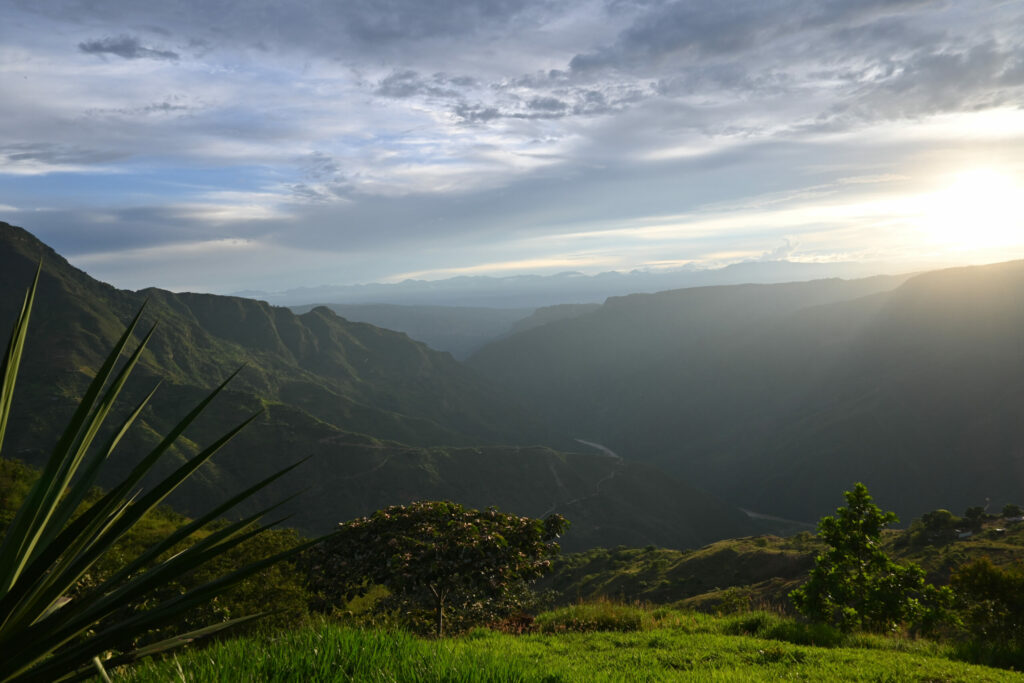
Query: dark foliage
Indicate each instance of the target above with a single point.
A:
(991, 602)
(437, 557)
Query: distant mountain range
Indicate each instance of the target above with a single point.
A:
(768, 397)
(386, 419)
(459, 330)
(535, 291)
(777, 397)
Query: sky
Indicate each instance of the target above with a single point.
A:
(223, 145)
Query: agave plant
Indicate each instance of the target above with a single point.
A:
(55, 538)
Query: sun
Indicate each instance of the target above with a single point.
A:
(976, 209)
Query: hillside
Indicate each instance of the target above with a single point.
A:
(459, 330)
(386, 419)
(753, 572)
(914, 387)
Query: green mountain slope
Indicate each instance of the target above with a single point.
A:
(772, 397)
(385, 419)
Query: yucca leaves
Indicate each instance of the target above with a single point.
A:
(52, 542)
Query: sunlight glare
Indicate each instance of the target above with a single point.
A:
(981, 208)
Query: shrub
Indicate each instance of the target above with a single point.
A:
(602, 615)
(991, 602)
(438, 559)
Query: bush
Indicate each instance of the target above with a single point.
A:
(595, 616)
(442, 563)
(990, 600)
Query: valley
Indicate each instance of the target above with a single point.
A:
(383, 419)
(716, 398)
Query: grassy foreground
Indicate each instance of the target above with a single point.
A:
(676, 647)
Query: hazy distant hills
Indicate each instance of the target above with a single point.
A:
(777, 397)
(773, 398)
(459, 330)
(536, 291)
(386, 419)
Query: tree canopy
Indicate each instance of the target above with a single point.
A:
(439, 556)
(854, 584)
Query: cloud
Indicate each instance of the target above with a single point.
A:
(323, 27)
(36, 158)
(547, 104)
(409, 83)
(439, 129)
(782, 252)
(705, 29)
(477, 113)
(125, 46)
(982, 76)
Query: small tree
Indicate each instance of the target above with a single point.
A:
(974, 518)
(1012, 510)
(937, 526)
(439, 556)
(854, 584)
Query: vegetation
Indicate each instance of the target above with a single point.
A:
(724, 576)
(854, 584)
(915, 385)
(438, 556)
(87, 573)
(991, 600)
(602, 615)
(55, 624)
(384, 419)
(677, 646)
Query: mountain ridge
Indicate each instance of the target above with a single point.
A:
(384, 418)
(915, 389)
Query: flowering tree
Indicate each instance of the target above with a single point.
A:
(437, 555)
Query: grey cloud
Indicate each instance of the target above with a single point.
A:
(56, 155)
(703, 27)
(561, 103)
(732, 76)
(84, 229)
(547, 104)
(320, 166)
(832, 63)
(830, 12)
(937, 82)
(319, 194)
(172, 106)
(157, 29)
(125, 46)
(711, 29)
(409, 83)
(374, 21)
(325, 180)
(475, 113)
(164, 107)
(563, 196)
(546, 108)
(351, 28)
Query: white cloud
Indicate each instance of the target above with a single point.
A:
(471, 135)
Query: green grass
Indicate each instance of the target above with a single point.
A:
(596, 616)
(670, 646)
